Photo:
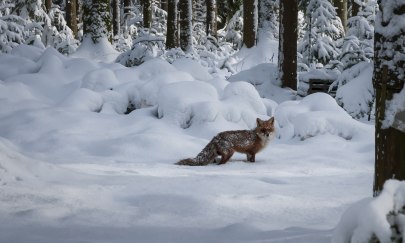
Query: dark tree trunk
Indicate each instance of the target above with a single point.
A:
(127, 6)
(116, 16)
(172, 40)
(287, 56)
(249, 22)
(164, 5)
(186, 28)
(341, 9)
(355, 8)
(211, 18)
(147, 13)
(387, 81)
(71, 18)
(48, 5)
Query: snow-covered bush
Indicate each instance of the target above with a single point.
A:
(97, 20)
(381, 219)
(145, 47)
(316, 114)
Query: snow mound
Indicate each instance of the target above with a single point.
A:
(316, 114)
(264, 77)
(189, 103)
(102, 51)
(373, 218)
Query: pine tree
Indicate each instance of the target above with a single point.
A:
(358, 43)
(186, 28)
(388, 79)
(172, 38)
(268, 18)
(249, 22)
(12, 31)
(71, 17)
(287, 56)
(116, 19)
(96, 19)
(323, 31)
(211, 18)
(147, 13)
(341, 10)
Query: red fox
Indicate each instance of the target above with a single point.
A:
(225, 144)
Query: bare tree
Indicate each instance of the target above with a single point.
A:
(287, 50)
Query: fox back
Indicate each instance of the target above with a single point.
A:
(225, 144)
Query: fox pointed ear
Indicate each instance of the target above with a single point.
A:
(259, 122)
(271, 120)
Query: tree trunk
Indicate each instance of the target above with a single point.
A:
(249, 22)
(211, 18)
(116, 16)
(48, 5)
(71, 18)
(287, 56)
(172, 40)
(355, 8)
(127, 6)
(387, 81)
(147, 13)
(341, 10)
(186, 28)
(164, 5)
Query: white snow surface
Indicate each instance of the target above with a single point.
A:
(75, 168)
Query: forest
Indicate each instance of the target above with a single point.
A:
(100, 98)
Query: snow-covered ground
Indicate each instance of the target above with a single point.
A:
(75, 168)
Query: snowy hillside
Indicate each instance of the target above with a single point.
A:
(75, 167)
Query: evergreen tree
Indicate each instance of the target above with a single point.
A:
(211, 23)
(172, 38)
(116, 19)
(268, 17)
(341, 10)
(388, 79)
(96, 19)
(186, 30)
(11, 28)
(249, 22)
(147, 13)
(287, 51)
(323, 31)
(71, 17)
(358, 43)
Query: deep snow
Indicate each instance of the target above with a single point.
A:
(75, 168)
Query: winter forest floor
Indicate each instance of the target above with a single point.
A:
(74, 168)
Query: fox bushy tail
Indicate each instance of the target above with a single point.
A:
(206, 156)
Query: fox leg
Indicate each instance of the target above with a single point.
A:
(225, 156)
(250, 157)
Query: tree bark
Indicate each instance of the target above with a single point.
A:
(355, 8)
(387, 80)
(211, 18)
(249, 22)
(147, 13)
(341, 10)
(71, 18)
(172, 40)
(127, 6)
(186, 28)
(164, 5)
(287, 56)
(116, 17)
(48, 5)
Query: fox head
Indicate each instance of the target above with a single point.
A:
(265, 129)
